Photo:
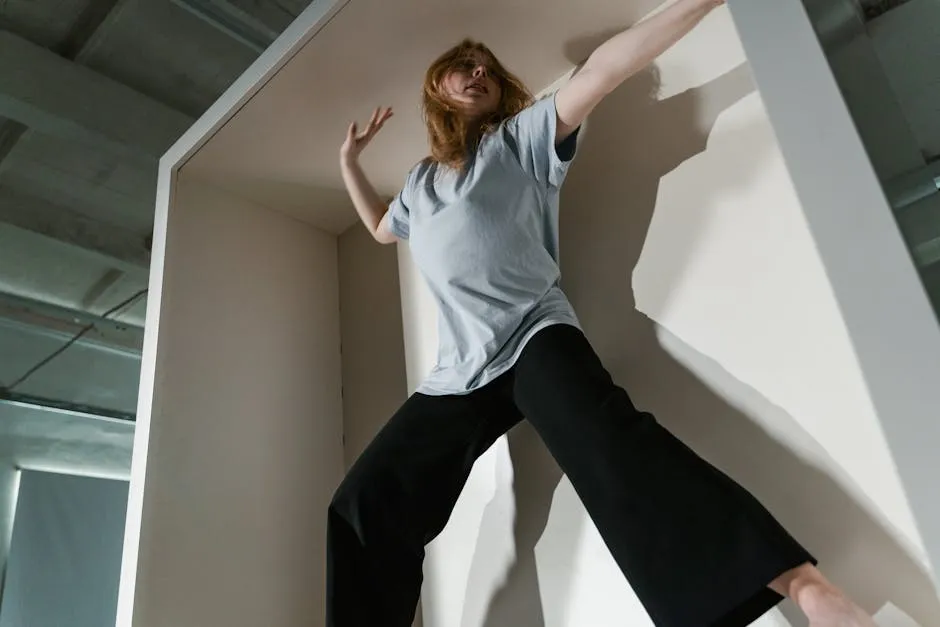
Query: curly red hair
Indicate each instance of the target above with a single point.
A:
(451, 137)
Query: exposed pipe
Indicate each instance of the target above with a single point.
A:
(28, 401)
(61, 323)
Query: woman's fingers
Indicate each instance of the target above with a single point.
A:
(380, 122)
(378, 119)
(376, 115)
(384, 116)
(381, 114)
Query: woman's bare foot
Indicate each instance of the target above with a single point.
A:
(826, 606)
(823, 603)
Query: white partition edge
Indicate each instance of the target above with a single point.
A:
(317, 15)
(893, 327)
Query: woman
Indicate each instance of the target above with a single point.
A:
(481, 218)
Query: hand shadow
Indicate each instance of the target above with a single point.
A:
(630, 143)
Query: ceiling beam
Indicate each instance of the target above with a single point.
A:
(118, 247)
(90, 27)
(876, 8)
(229, 19)
(50, 94)
(10, 133)
(107, 281)
(275, 15)
(85, 35)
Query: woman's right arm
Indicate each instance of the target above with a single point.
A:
(369, 205)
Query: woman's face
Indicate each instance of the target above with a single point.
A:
(471, 88)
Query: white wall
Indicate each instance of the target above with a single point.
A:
(374, 383)
(728, 255)
(374, 374)
(245, 433)
(740, 349)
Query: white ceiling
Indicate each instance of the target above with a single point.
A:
(280, 150)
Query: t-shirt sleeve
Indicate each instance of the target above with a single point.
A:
(399, 211)
(531, 134)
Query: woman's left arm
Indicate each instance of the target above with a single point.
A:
(621, 57)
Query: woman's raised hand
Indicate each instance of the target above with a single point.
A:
(357, 141)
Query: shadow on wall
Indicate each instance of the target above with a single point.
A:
(633, 140)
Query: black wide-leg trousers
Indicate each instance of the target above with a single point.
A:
(697, 548)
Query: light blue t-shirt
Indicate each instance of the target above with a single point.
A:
(486, 242)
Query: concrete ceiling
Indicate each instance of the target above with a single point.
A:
(77, 161)
(92, 92)
(281, 149)
(95, 372)
(35, 439)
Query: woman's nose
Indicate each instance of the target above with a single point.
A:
(479, 71)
